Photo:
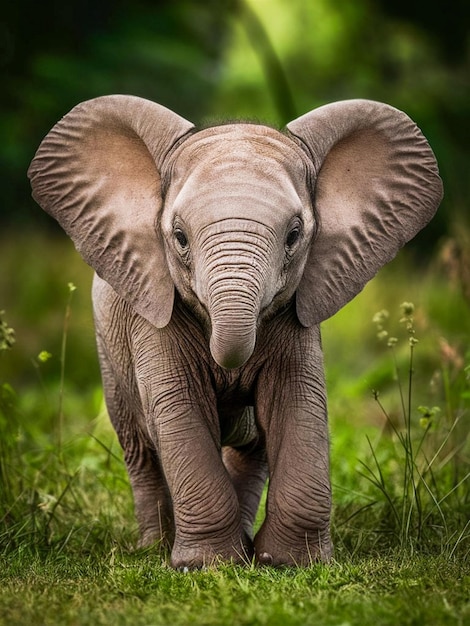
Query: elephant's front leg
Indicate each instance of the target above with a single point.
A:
(180, 406)
(206, 510)
(291, 407)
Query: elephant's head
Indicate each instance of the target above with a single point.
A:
(237, 223)
(239, 217)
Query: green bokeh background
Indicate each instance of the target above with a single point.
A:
(262, 59)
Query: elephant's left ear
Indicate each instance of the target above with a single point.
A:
(97, 173)
(377, 186)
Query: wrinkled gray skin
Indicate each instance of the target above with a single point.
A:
(219, 253)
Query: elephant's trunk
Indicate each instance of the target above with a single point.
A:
(236, 292)
(233, 336)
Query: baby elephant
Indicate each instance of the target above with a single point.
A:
(217, 254)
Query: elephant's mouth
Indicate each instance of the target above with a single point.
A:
(197, 310)
(276, 307)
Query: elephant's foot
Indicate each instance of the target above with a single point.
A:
(196, 555)
(273, 549)
(156, 530)
(155, 537)
(154, 516)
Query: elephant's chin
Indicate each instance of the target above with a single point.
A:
(231, 356)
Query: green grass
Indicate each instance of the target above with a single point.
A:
(400, 472)
(135, 589)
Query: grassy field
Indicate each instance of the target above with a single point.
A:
(399, 420)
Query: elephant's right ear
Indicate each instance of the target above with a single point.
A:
(97, 173)
(377, 186)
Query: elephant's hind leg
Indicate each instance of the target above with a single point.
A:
(248, 469)
(152, 501)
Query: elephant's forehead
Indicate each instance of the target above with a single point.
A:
(240, 168)
(237, 146)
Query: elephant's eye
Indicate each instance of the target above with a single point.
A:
(181, 238)
(292, 237)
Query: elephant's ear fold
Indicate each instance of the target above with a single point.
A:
(97, 173)
(377, 185)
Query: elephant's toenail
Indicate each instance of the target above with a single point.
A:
(265, 558)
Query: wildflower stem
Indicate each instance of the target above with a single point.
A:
(63, 352)
(400, 386)
(410, 387)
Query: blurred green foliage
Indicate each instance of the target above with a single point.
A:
(263, 59)
(56, 55)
